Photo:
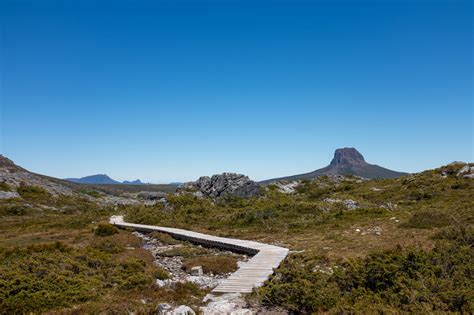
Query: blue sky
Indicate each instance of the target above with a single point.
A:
(171, 90)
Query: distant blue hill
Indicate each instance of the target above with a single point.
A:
(102, 179)
(133, 182)
(176, 183)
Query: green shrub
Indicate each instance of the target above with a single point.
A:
(165, 238)
(185, 252)
(105, 230)
(425, 219)
(109, 246)
(407, 280)
(92, 193)
(33, 193)
(14, 209)
(5, 187)
(130, 274)
(459, 233)
(161, 273)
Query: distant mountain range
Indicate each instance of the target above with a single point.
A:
(346, 161)
(102, 179)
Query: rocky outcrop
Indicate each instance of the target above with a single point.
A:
(226, 184)
(287, 187)
(467, 171)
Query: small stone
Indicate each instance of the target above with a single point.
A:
(197, 271)
(164, 309)
(376, 230)
(357, 230)
(183, 310)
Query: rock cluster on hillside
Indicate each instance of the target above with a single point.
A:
(467, 171)
(226, 184)
(15, 176)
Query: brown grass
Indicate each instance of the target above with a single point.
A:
(218, 264)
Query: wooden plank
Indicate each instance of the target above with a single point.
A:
(251, 274)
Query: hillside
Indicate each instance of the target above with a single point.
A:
(358, 246)
(346, 161)
(15, 176)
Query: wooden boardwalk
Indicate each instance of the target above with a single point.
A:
(251, 274)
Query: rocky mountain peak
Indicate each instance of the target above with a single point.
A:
(347, 157)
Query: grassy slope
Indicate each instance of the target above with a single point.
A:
(426, 204)
(305, 222)
(432, 273)
(52, 260)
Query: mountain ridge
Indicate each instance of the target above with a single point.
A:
(346, 161)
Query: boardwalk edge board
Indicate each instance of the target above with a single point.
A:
(250, 275)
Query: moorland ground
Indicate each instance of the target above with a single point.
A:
(406, 246)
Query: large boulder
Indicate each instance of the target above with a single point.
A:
(226, 184)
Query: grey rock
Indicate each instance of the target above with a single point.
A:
(164, 309)
(8, 194)
(467, 171)
(287, 187)
(197, 271)
(226, 184)
(151, 195)
(229, 303)
(350, 204)
(183, 310)
(376, 230)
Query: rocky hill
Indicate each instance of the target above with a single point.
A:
(15, 176)
(346, 161)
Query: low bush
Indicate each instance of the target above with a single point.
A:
(33, 193)
(161, 273)
(426, 219)
(5, 187)
(92, 193)
(14, 209)
(104, 229)
(218, 264)
(165, 238)
(407, 280)
(185, 252)
(109, 246)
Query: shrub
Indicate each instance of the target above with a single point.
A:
(109, 246)
(459, 233)
(33, 193)
(165, 238)
(105, 230)
(161, 273)
(407, 280)
(185, 252)
(92, 193)
(4, 187)
(426, 219)
(15, 209)
(216, 264)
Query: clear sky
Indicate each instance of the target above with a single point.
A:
(171, 90)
